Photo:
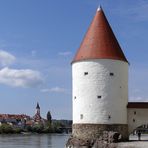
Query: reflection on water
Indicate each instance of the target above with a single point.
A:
(33, 141)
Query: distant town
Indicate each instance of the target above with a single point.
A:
(21, 123)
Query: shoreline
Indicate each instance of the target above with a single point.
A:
(132, 143)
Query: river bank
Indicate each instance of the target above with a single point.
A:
(132, 143)
(56, 127)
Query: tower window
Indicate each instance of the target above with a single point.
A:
(133, 120)
(111, 74)
(99, 97)
(134, 112)
(109, 117)
(81, 116)
(75, 97)
(85, 73)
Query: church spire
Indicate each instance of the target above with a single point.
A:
(37, 107)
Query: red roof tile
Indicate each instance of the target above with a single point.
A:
(137, 105)
(13, 116)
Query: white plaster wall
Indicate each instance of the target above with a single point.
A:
(98, 82)
(141, 118)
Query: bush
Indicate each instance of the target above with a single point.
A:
(28, 129)
(17, 130)
(38, 128)
(6, 128)
(56, 127)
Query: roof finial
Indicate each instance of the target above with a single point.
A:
(99, 8)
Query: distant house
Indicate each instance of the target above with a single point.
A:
(14, 119)
(23, 120)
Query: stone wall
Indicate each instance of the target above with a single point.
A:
(94, 131)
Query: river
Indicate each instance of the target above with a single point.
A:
(33, 141)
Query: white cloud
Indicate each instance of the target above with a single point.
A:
(20, 78)
(55, 90)
(66, 53)
(6, 58)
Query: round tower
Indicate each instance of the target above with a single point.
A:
(100, 83)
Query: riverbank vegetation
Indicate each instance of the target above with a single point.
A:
(48, 127)
(9, 129)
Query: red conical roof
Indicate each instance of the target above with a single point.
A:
(99, 41)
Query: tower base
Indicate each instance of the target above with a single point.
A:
(97, 135)
(94, 131)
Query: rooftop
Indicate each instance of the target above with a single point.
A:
(137, 105)
(99, 41)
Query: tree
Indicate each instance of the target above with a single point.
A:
(49, 117)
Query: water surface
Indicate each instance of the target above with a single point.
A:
(33, 141)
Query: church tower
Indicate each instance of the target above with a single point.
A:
(37, 116)
(100, 83)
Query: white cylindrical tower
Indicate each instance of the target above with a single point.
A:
(100, 83)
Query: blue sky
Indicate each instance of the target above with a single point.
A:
(38, 40)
